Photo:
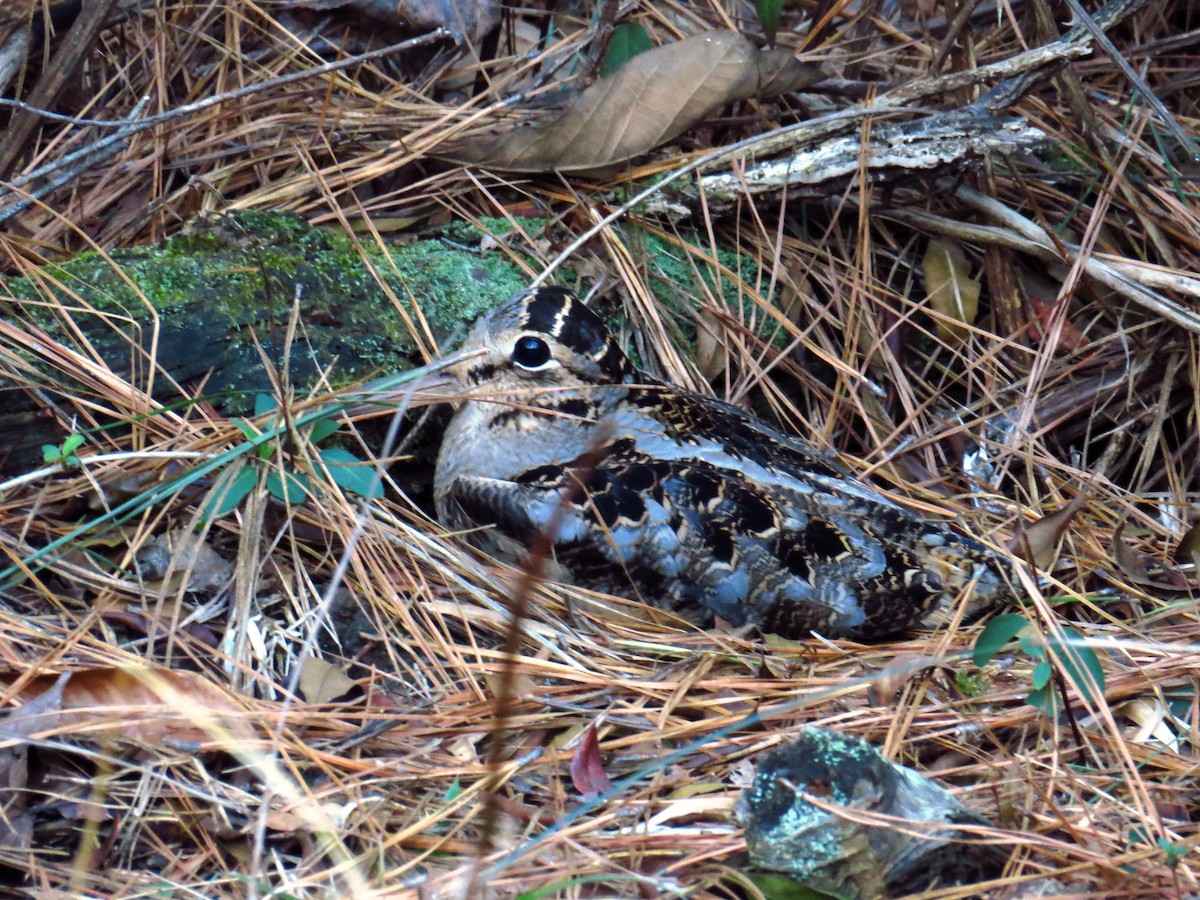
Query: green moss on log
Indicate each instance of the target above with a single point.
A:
(214, 300)
(209, 298)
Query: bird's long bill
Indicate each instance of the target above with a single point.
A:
(425, 386)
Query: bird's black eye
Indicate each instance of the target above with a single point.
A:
(530, 352)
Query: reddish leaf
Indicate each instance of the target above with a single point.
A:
(587, 771)
(1071, 337)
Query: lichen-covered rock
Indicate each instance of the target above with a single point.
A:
(213, 300)
(914, 844)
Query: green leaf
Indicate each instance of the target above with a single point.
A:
(995, 636)
(564, 887)
(628, 40)
(1138, 835)
(1175, 852)
(263, 404)
(264, 447)
(970, 685)
(453, 792)
(287, 486)
(352, 474)
(768, 17)
(230, 489)
(1041, 675)
(323, 428)
(1044, 699)
(1180, 701)
(1075, 659)
(64, 453)
(1031, 645)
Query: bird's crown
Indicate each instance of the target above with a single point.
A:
(544, 335)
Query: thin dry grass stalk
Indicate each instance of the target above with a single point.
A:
(815, 314)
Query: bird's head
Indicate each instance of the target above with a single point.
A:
(543, 338)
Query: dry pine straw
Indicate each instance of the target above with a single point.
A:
(382, 808)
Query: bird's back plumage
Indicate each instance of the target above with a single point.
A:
(678, 499)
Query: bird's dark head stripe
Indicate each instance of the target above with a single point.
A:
(546, 308)
(557, 312)
(613, 360)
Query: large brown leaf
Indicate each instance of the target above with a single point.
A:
(652, 98)
(144, 704)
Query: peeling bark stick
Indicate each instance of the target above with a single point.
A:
(828, 149)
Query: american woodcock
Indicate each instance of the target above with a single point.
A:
(677, 499)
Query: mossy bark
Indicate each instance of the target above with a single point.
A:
(211, 309)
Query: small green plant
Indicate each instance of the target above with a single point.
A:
(63, 454)
(768, 17)
(780, 887)
(1080, 664)
(344, 468)
(1175, 852)
(970, 684)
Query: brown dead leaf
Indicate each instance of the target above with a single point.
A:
(711, 336)
(651, 99)
(1188, 549)
(587, 770)
(1039, 541)
(285, 821)
(41, 713)
(795, 289)
(1039, 289)
(145, 704)
(115, 491)
(886, 688)
(694, 807)
(950, 288)
(521, 685)
(178, 553)
(323, 682)
(1147, 571)
(695, 789)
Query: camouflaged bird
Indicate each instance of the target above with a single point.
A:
(674, 498)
